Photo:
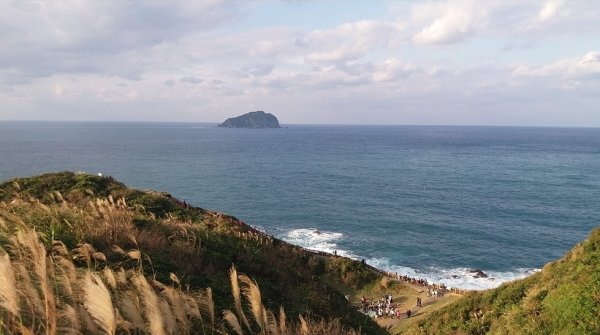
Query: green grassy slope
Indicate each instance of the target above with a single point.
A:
(563, 298)
(197, 245)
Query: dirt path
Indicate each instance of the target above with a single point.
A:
(405, 297)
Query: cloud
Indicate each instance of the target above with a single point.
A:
(587, 65)
(191, 80)
(351, 41)
(78, 36)
(550, 10)
(199, 60)
(448, 22)
(393, 69)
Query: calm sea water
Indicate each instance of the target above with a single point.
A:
(429, 202)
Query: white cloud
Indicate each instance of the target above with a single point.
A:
(586, 65)
(201, 60)
(550, 10)
(79, 36)
(449, 22)
(351, 41)
(393, 69)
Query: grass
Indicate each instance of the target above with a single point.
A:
(564, 298)
(135, 241)
(50, 294)
(86, 254)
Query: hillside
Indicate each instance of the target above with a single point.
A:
(563, 298)
(86, 254)
(101, 226)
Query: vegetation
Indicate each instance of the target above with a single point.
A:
(85, 254)
(564, 298)
(150, 253)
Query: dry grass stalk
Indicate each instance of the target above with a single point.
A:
(130, 306)
(68, 320)
(304, 330)
(97, 301)
(58, 196)
(252, 294)
(109, 276)
(237, 299)
(99, 257)
(8, 289)
(121, 277)
(282, 322)
(28, 290)
(207, 305)
(233, 322)
(67, 274)
(150, 303)
(168, 318)
(191, 307)
(135, 255)
(84, 253)
(118, 250)
(87, 321)
(271, 322)
(59, 249)
(177, 303)
(174, 279)
(32, 250)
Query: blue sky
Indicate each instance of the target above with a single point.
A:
(509, 62)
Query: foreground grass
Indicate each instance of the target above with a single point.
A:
(564, 298)
(85, 254)
(103, 225)
(47, 293)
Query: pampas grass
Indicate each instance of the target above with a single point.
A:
(68, 320)
(237, 299)
(98, 303)
(207, 306)
(109, 276)
(177, 306)
(304, 330)
(233, 322)
(83, 291)
(252, 294)
(282, 323)
(150, 304)
(8, 289)
(130, 306)
(168, 318)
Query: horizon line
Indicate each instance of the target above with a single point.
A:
(283, 125)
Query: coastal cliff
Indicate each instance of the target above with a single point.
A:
(146, 262)
(563, 298)
(121, 260)
(258, 119)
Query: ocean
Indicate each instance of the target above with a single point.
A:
(425, 201)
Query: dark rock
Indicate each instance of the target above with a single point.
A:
(478, 273)
(258, 119)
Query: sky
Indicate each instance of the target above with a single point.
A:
(463, 62)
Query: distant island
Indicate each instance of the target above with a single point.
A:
(258, 119)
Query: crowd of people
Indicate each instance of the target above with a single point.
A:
(386, 308)
(383, 308)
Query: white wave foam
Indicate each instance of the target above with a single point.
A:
(462, 278)
(318, 240)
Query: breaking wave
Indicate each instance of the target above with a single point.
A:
(462, 278)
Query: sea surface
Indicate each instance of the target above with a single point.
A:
(426, 201)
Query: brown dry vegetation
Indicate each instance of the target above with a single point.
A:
(75, 291)
(85, 254)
